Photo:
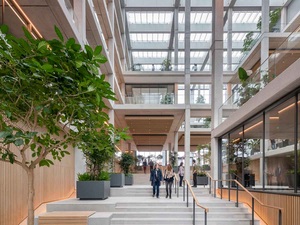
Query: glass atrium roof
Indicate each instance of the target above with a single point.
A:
(152, 37)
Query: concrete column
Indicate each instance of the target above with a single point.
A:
(176, 146)
(229, 40)
(111, 46)
(169, 150)
(80, 18)
(176, 39)
(217, 78)
(264, 50)
(80, 165)
(187, 81)
(283, 18)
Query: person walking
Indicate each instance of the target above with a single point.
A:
(156, 178)
(181, 173)
(145, 165)
(151, 165)
(194, 173)
(169, 178)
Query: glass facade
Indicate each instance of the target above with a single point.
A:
(262, 153)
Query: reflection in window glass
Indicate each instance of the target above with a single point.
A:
(298, 146)
(224, 162)
(253, 148)
(279, 145)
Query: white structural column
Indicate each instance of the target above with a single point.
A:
(176, 39)
(264, 50)
(187, 81)
(111, 49)
(283, 18)
(176, 147)
(80, 18)
(217, 78)
(229, 40)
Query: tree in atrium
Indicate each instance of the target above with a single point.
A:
(52, 96)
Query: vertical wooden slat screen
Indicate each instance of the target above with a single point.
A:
(289, 203)
(53, 183)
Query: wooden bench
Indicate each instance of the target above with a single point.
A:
(65, 218)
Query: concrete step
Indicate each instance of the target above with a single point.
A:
(181, 221)
(179, 214)
(181, 209)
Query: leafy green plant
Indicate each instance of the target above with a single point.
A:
(200, 99)
(248, 41)
(167, 99)
(166, 65)
(173, 158)
(274, 17)
(52, 97)
(126, 161)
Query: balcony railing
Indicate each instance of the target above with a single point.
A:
(272, 67)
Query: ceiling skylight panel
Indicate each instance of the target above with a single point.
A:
(139, 37)
(144, 17)
(209, 18)
(150, 18)
(181, 54)
(197, 18)
(225, 36)
(130, 17)
(135, 54)
(246, 17)
(181, 37)
(160, 37)
(161, 18)
(133, 37)
(239, 18)
(155, 17)
(193, 16)
(144, 37)
(204, 17)
(154, 37)
(181, 18)
(207, 37)
(138, 18)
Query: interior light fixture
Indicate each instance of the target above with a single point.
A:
(253, 126)
(286, 108)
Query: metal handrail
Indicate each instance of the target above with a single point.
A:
(176, 185)
(237, 197)
(195, 201)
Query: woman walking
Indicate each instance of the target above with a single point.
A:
(181, 173)
(169, 177)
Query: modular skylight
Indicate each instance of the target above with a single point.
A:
(196, 17)
(149, 37)
(143, 54)
(149, 17)
(245, 17)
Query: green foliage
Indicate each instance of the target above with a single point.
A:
(274, 17)
(242, 74)
(200, 99)
(99, 148)
(166, 65)
(167, 99)
(173, 158)
(248, 41)
(88, 177)
(52, 96)
(126, 161)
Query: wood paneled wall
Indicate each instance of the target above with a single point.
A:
(51, 183)
(290, 205)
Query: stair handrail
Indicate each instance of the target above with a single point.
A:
(195, 201)
(176, 185)
(237, 196)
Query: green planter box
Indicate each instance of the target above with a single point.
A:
(117, 180)
(129, 180)
(202, 180)
(92, 190)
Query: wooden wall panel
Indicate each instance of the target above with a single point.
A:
(53, 183)
(290, 205)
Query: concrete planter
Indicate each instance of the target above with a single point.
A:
(117, 180)
(129, 180)
(92, 190)
(202, 180)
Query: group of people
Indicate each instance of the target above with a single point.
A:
(151, 164)
(156, 177)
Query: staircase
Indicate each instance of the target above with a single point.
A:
(149, 210)
(132, 205)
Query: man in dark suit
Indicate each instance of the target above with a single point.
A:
(156, 178)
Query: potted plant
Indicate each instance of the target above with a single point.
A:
(98, 150)
(126, 161)
(166, 65)
(173, 161)
(167, 99)
(202, 178)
